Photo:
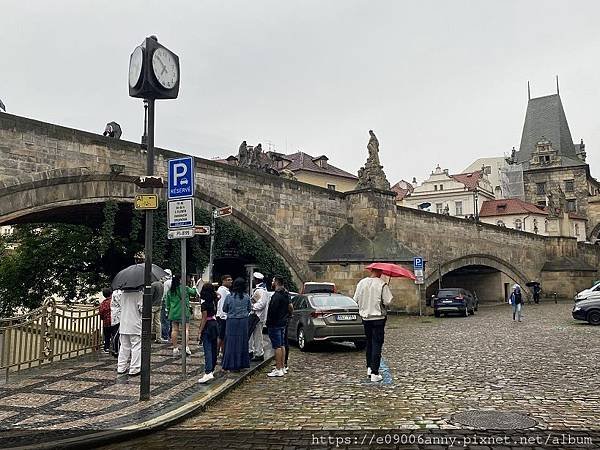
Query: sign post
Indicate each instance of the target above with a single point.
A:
(216, 213)
(418, 265)
(181, 221)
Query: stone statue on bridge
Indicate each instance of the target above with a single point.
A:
(371, 175)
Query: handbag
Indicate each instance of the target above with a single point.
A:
(253, 320)
(115, 344)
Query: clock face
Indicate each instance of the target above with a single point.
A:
(165, 68)
(135, 67)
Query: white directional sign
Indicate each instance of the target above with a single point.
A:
(180, 213)
(184, 233)
(181, 177)
(202, 230)
(224, 211)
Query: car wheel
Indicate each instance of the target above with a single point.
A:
(360, 345)
(593, 317)
(301, 340)
(436, 313)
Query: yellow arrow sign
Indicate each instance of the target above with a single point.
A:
(146, 201)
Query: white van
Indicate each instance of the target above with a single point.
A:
(588, 294)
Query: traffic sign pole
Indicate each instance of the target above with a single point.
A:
(212, 244)
(183, 287)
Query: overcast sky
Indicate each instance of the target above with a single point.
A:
(438, 81)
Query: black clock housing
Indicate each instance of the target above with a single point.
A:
(148, 86)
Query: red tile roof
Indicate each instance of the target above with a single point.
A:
(509, 206)
(470, 180)
(402, 189)
(303, 161)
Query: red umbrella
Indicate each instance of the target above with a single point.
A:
(392, 270)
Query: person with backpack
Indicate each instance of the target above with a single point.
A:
(373, 295)
(516, 300)
(175, 314)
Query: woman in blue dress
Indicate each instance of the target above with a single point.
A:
(237, 305)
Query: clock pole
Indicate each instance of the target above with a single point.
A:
(147, 302)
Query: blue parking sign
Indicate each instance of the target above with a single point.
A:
(418, 262)
(181, 177)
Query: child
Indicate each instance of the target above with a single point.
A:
(108, 329)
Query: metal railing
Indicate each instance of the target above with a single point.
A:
(50, 333)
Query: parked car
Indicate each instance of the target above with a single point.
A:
(588, 310)
(588, 294)
(325, 318)
(313, 287)
(454, 300)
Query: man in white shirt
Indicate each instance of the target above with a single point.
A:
(223, 291)
(373, 295)
(260, 301)
(130, 332)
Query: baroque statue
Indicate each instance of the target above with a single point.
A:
(371, 175)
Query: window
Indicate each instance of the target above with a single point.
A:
(487, 170)
(435, 187)
(439, 208)
(569, 185)
(535, 226)
(331, 187)
(571, 205)
(500, 223)
(458, 208)
(545, 225)
(542, 203)
(441, 187)
(540, 188)
(577, 229)
(518, 224)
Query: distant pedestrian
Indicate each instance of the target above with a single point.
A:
(373, 295)
(130, 332)
(223, 291)
(157, 291)
(164, 317)
(280, 307)
(175, 313)
(109, 329)
(536, 293)
(237, 306)
(516, 300)
(258, 317)
(209, 330)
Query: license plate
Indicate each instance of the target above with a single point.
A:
(346, 317)
(446, 301)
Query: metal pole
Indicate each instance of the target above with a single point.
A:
(183, 287)
(147, 301)
(212, 244)
(420, 301)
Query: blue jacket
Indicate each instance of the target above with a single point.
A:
(237, 308)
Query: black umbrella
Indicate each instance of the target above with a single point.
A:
(532, 283)
(132, 278)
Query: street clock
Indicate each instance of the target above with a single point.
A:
(153, 71)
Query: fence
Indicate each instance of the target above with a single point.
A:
(50, 333)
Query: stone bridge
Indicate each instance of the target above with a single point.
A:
(49, 172)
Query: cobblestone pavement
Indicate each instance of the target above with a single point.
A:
(545, 367)
(86, 395)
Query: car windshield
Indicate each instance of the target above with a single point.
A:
(337, 301)
(448, 292)
(318, 288)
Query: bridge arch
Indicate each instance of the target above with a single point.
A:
(476, 260)
(35, 194)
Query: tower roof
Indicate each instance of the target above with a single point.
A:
(546, 117)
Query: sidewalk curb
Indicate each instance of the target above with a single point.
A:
(196, 403)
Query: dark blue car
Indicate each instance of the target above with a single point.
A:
(454, 301)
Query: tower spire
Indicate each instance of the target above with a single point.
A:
(557, 90)
(528, 91)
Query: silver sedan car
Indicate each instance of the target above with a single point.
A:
(325, 318)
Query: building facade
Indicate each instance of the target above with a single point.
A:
(492, 168)
(457, 195)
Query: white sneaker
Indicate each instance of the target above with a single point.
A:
(285, 370)
(206, 378)
(275, 373)
(368, 371)
(176, 352)
(188, 351)
(376, 378)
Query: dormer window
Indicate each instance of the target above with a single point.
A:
(321, 161)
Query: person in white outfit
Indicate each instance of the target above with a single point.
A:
(260, 301)
(130, 330)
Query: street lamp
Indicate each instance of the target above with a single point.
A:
(153, 74)
(476, 200)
